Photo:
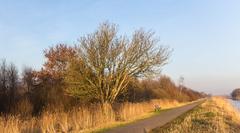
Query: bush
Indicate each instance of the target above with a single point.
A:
(236, 94)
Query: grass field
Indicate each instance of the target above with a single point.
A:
(216, 115)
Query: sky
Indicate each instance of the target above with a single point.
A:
(203, 33)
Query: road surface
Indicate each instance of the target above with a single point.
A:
(148, 124)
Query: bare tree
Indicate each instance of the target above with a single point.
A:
(8, 85)
(106, 62)
(28, 79)
(3, 86)
(12, 84)
(3, 77)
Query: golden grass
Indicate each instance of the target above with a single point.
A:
(216, 115)
(84, 119)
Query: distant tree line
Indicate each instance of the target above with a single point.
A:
(102, 68)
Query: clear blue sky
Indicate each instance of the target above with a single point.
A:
(203, 33)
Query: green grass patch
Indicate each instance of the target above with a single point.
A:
(210, 114)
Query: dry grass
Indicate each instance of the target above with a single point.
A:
(84, 119)
(129, 111)
(216, 115)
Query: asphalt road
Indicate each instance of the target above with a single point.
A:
(146, 125)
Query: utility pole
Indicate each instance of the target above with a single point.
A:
(181, 83)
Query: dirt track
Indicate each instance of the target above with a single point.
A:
(148, 124)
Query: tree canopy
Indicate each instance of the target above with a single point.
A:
(106, 62)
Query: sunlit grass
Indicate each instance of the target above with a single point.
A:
(216, 115)
(85, 119)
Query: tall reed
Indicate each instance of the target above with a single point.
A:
(81, 119)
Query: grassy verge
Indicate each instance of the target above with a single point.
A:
(216, 115)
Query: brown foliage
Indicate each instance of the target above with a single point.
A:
(58, 58)
(46, 87)
(163, 88)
